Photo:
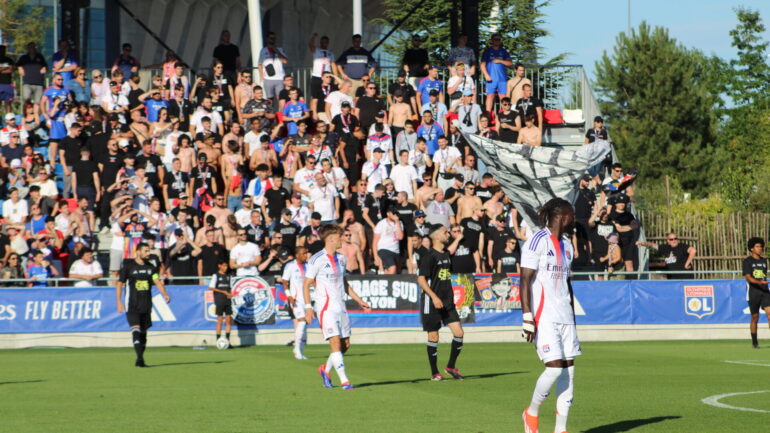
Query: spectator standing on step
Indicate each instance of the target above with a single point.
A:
(354, 63)
(271, 61)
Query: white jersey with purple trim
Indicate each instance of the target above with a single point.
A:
(552, 259)
(294, 276)
(328, 271)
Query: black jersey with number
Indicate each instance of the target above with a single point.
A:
(220, 282)
(435, 266)
(757, 268)
(138, 281)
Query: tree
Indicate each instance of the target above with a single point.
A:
(518, 21)
(745, 128)
(21, 24)
(749, 79)
(659, 97)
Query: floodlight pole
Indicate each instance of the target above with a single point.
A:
(255, 35)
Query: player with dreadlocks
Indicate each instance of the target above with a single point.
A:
(548, 312)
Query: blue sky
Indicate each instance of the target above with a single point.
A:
(586, 28)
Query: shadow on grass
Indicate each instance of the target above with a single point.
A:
(628, 425)
(22, 381)
(173, 364)
(471, 377)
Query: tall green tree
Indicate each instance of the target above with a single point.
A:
(658, 98)
(749, 75)
(21, 24)
(745, 129)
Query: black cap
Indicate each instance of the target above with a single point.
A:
(315, 216)
(433, 92)
(178, 232)
(380, 114)
(378, 150)
(113, 83)
(598, 119)
(345, 104)
(264, 138)
(284, 253)
(460, 177)
(402, 73)
(586, 177)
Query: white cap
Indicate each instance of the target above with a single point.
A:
(16, 163)
(10, 116)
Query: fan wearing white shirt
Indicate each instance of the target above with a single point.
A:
(324, 199)
(382, 141)
(374, 171)
(387, 236)
(15, 210)
(245, 256)
(404, 176)
(448, 161)
(304, 179)
(86, 269)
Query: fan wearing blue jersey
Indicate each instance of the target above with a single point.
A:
(294, 111)
(326, 270)
(52, 104)
(546, 259)
(494, 62)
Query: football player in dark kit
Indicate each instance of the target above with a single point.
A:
(138, 276)
(435, 280)
(220, 285)
(755, 273)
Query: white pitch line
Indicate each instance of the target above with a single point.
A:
(714, 401)
(759, 363)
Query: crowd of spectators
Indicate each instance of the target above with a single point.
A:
(245, 167)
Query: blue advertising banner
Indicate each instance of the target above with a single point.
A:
(396, 302)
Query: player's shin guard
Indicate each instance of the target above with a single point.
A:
(433, 357)
(564, 392)
(543, 388)
(457, 346)
(338, 363)
(136, 340)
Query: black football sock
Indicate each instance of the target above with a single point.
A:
(227, 335)
(143, 337)
(433, 357)
(136, 340)
(754, 340)
(457, 346)
(218, 336)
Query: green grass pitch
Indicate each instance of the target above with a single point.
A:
(628, 386)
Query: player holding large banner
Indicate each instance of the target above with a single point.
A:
(546, 290)
(138, 276)
(326, 269)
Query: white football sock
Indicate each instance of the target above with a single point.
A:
(339, 365)
(564, 394)
(300, 336)
(543, 388)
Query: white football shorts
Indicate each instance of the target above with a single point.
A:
(334, 324)
(555, 341)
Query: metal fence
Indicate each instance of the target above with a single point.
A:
(68, 283)
(559, 86)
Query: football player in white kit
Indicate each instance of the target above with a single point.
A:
(326, 269)
(294, 283)
(547, 307)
